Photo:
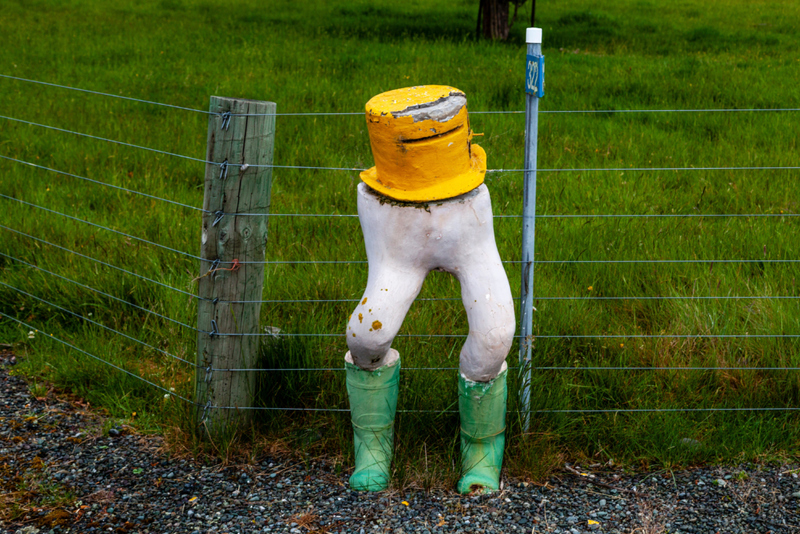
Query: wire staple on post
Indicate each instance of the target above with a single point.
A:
(205, 413)
(214, 330)
(218, 215)
(226, 120)
(223, 170)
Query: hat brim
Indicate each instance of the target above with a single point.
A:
(457, 185)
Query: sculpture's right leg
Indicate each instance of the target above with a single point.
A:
(397, 268)
(373, 367)
(379, 315)
(373, 402)
(373, 371)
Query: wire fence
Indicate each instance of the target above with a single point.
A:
(53, 217)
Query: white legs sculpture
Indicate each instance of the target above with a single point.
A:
(404, 243)
(424, 207)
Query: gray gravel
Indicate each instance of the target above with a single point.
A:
(60, 473)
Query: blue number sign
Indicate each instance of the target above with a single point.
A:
(534, 76)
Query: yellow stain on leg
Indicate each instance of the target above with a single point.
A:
(364, 301)
(377, 325)
(360, 318)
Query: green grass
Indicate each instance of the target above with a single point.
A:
(332, 57)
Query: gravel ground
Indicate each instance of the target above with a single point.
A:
(60, 473)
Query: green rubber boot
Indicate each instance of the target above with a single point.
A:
(482, 406)
(373, 402)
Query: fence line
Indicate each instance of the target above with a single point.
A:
(648, 169)
(100, 183)
(543, 216)
(357, 262)
(354, 215)
(654, 215)
(578, 410)
(550, 262)
(554, 336)
(56, 306)
(134, 375)
(338, 262)
(424, 299)
(62, 130)
(100, 93)
(223, 167)
(674, 297)
(101, 292)
(359, 113)
(270, 408)
(547, 262)
(100, 262)
(533, 367)
(225, 164)
(192, 256)
(696, 110)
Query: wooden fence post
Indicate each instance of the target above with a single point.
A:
(238, 179)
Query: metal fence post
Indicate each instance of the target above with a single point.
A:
(238, 180)
(534, 89)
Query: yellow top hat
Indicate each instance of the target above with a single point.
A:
(420, 140)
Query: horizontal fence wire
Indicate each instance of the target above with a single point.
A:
(100, 93)
(363, 262)
(167, 286)
(354, 215)
(559, 262)
(540, 216)
(105, 184)
(70, 345)
(590, 169)
(533, 368)
(361, 113)
(225, 164)
(123, 301)
(649, 215)
(458, 299)
(689, 110)
(577, 410)
(511, 262)
(650, 169)
(142, 240)
(533, 338)
(117, 332)
(113, 141)
(265, 408)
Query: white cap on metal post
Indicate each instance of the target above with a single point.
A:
(533, 36)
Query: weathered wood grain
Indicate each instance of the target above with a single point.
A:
(247, 141)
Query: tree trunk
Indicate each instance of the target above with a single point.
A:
(495, 19)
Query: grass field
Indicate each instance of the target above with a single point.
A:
(332, 57)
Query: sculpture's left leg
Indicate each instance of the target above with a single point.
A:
(482, 391)
(487, 298)
(373, 402)
(482, 406)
